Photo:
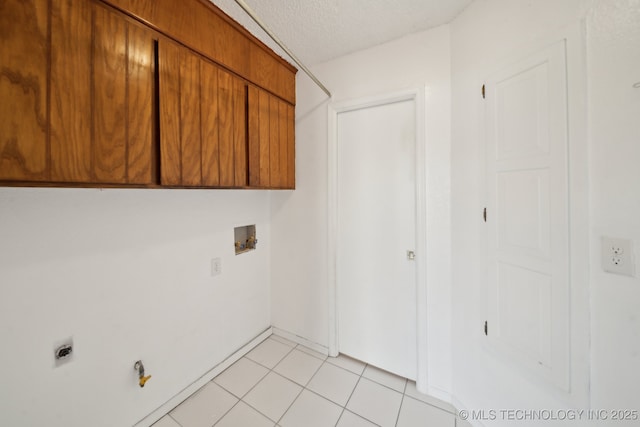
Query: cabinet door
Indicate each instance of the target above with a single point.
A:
(271, 141)
(202, 121)
(102, 85)
(210, 121)
(190, 119)
(233, 134)
(23, 90)
(286, 145)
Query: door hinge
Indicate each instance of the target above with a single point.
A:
(486, 328)
(484, 214)
(483, 92)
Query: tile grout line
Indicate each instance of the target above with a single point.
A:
(174, 420)
(290, 405)
(230, 409)
(385, 386)
(258, 411)
(360, 415)
(377, 382)
(312, 355)
(303, 387)
(240, 399)
(270, 370)
(366, 365)
(340, 417)
(279, 360)
(314, 374)
(354, 390)
(404, 394)
(399, 410)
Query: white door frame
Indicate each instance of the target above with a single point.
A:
(418, 97)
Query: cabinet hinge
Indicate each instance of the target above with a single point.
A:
(486, 328)
(484, 214)
(483, 92)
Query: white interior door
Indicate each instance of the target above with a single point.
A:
(527, 214)
(376, 228)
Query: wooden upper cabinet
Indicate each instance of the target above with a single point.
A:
(23, 90)
(207, 30)
(271, 141)
(140, 93)
(203, 136)
(102, 96)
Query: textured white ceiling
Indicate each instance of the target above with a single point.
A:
(319, 30)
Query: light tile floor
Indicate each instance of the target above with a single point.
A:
(280, 383)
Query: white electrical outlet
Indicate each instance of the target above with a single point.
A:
(617, 256)
(216, 267)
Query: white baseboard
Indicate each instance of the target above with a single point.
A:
(462, 407)
(300, 340)
(441, 394)
(203, 380)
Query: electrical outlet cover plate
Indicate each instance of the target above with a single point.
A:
(617, 256)
(216, 267)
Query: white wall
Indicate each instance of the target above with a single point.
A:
(614, 109)
(127, 274)
(299, 219)
(484, 36)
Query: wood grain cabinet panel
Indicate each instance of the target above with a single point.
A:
(102, 76)
(190, 123)
(271, 141)
(210, 122)
(226, 128)
(203, 27)
(202, 121)
(71, 122)
(109, 96)
(233, 134)
(240, 133)
(23, 90)
(291, 147)
(169, 98)
(141, 106)
(144, 93)
(274, 142)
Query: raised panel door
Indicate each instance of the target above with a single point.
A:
(528, 229)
